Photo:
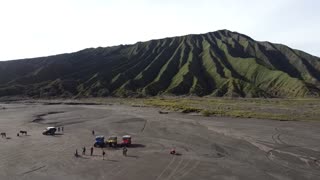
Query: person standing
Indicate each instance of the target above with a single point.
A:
(124, 151)
(76, 154)
(91, 151)
(84, 151)
(93, 132)
(58, 129)
(62, 128)
(103, 154)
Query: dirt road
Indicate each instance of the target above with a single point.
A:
(208, 147)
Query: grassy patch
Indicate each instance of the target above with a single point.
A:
(171, 104)
(276, 109)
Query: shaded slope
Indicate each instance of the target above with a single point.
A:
(221, 63)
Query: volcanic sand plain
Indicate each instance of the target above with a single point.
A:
(207, 147)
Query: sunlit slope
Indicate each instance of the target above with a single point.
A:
(221, 63)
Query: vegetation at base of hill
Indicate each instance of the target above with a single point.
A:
(275, 109)
(289, 109)
(283, 109)
(216, 64)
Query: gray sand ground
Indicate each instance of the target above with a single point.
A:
(209, 147)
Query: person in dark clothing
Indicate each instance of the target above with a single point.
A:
(93, 132)
(124, 151)
(58, 129)
(84, 151)
(62, 128)
(103, 154)
(91, 151)
(76, 154)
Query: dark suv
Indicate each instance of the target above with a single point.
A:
(49, 131)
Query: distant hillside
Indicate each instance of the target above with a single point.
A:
(221, 63)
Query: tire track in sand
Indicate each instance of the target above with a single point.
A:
(172, 173)
(182, 170)
(166, 167)
(191, 169)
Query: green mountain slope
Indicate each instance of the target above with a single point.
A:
(221, 63)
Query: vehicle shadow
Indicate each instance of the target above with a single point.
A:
(55, 135)
(132, 156)
(23, 135)
(137, 146)
(58, 134)
(119, 147)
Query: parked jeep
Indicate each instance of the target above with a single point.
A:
(49, 131)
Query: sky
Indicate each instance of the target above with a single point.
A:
(34, 28)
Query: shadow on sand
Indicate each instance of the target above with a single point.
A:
(136, 146)
(177, 154)
(58, 134)
(55, 135)
(82, 157)
(23, 135)
(119, 147)
(132, 156)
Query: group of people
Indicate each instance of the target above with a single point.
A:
(124, 152)
(62, 129)
(84, 149)
(4, 135)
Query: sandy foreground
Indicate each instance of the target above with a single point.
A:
(208, 147)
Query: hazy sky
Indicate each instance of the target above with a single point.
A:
(32, 28)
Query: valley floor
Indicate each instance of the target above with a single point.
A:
(208, 147)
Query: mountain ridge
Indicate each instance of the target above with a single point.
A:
(220, 63)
